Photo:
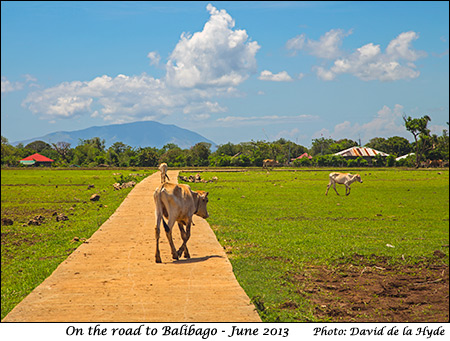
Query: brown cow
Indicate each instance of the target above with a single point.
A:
(270, 163)
(177, 203)
(163, 170)
(344, 179)
(435, 163)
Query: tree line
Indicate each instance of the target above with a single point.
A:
(93, 153)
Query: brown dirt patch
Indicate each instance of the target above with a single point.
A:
(17, 238)
(371, 290)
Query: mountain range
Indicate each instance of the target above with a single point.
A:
(136, 134)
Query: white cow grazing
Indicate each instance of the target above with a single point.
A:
(163, 169)
(343, 179)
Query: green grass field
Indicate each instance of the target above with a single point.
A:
(275, 224)
(30, 253)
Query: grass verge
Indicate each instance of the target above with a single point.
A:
(30, 253)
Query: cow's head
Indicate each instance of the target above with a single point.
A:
(358, 178)
(201, 204)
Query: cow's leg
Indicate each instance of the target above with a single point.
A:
(185, 236)
(188, 235)
(328, 187)
(347, 188)
(157, 235)
(168, 227)
(334, 186)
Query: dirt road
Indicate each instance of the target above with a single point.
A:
(113, 276)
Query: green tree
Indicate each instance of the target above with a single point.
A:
(112, 158)
(63, 150)
(442, 147)
(321, 146)
(88, 151)
(199, 154)
(9, 153)
(418, 128)
(390, 160)
(173, 156)
(398, 146)
(378, 143)
(119, 154)
(229, 149)
(393, 145)
(147, 157)
(342, 144)
(38, 146)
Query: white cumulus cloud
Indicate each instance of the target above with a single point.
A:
(154, 57)
(386, 123)
(367, 62)
(370, 63)
(327, 47)
(202, 66)
(217, 56)
(282, 76)
(7, 86)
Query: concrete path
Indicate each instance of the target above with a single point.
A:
(113, 277)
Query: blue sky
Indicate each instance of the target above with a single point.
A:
(231, 71)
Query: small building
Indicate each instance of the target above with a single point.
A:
(366, 153)
(404, 156)
(302, 156)
(36, 160)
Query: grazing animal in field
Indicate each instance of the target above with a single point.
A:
(435, 163)
(343, 179)
(177, 203)
(163, 170)
(270, 163)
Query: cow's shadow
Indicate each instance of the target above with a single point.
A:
(195, 259)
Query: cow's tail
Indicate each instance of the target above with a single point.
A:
(160, 208)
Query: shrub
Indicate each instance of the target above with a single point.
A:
(390, 161)
(303, 162)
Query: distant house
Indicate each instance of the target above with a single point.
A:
(364, 152)
(302, 156)
(404, 156)
(36, 160)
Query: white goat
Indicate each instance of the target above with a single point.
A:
(343, 179)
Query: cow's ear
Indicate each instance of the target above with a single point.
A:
(206, 194)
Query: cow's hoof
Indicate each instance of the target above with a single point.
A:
(158, 260)
(175, 256)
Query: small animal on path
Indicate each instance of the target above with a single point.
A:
(343, 179)
(163, 169)
(177, 203)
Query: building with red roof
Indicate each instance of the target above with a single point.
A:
(36, 160)
(302, 156)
